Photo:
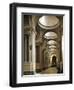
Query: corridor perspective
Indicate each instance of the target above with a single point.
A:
(42, 44)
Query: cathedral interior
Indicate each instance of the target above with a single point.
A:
(42, 44)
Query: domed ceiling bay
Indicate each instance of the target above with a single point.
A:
(52, 42)
(50, 35)
(48, 22)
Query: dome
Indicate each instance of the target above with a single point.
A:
(48, 22)
(50, 35)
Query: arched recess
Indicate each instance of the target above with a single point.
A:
(54, 60)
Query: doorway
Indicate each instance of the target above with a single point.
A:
(54, 63)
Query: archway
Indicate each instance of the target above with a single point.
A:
(54, 62)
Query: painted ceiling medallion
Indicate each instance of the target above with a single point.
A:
(48, 22)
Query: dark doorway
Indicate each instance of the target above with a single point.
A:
(37, 54)
(37, 59)
(54, 61)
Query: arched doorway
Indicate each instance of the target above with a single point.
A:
(54, 63)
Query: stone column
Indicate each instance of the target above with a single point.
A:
(33, 45)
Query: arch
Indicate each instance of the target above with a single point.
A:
(51, 60)
(54, 61)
